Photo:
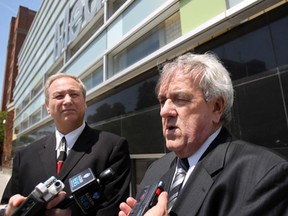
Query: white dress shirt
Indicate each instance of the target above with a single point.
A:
(70, 138)
(193, 160)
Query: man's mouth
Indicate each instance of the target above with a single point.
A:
(171, 127)
(67, 110)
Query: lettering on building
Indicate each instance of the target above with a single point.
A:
(75, 18)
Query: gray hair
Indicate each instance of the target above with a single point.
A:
(54, 77)
(215, 80)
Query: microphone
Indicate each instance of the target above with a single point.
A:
(37, 199)
(87, 190)
(147, 199)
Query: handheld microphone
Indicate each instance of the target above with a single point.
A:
(87, 190)
(147, 199)
(37, 199)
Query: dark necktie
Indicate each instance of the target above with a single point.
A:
(63, 154)
(183, 166)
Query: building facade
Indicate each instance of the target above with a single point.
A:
(117, 47)
(19, 27)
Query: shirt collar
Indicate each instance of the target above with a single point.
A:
(193, 159)
(70, 137)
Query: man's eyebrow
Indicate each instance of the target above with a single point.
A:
(159, 96)
(57, 92)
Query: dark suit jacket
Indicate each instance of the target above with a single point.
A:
(93, 149)
(233, 178)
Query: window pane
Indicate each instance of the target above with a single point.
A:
(132, 112)
(158, 37)
(256, 55)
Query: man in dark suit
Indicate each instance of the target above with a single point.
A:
(85, 148)
(224, 176)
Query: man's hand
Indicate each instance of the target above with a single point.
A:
(126, 207)
(160, 209)
(16, 200)
(51, 211)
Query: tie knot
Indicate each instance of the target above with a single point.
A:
(63, 144)
(183, 163)
(63, 140)
(62, 149)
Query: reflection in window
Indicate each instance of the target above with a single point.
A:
(94, 78)
(243, 54)
(247, 55)
(231, 3)
(18, 110)
(159, 36)
(138, 96)
(24, 125)
(131, 111)
(36, 89)
(114, 5)
(258, 69)
(36, 117)
(16, 129)
(25, 101)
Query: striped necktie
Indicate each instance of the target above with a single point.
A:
(63, 154)
(183, 166)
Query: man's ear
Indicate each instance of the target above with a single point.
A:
(218, 110)
(47, 107)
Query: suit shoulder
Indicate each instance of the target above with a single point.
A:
(161, 165)
(165, 161)
(109, 135)
(36, 144)
(256, 152)
(105, 137)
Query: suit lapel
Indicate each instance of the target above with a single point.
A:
(82, 145)
(201, 179)
(193, 193)
(168, 176)
(48, 155)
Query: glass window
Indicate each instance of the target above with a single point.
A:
(279, 35)
(139, 11)
(114, 5)
(131, 111)
(138, 50)
(159, 36)
(24, 124)
(35, 117)
(36, 89)
(94, 78)
(259, 114)
(18, 110)
(87, 36)
(123, 100)
(16, 129)
(133, 126)
(88, 56)
(25, 101)
(247, 55)
(232, 3)
(259, 73)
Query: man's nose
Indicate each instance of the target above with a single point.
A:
(168, 109)
(67, 98)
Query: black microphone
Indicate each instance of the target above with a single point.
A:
(147, 199)
(87, 190)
